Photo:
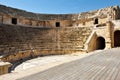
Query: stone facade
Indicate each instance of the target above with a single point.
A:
(26, 35)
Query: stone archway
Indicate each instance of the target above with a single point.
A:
(100, 43)
(117, 38)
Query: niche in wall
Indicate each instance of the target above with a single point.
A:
(14, 20)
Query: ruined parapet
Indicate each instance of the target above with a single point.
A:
(101, 13)
(35, 16)
(14, 16)
(112, 12)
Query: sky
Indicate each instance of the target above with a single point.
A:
(59, 6)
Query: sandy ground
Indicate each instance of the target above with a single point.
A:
(40, 64)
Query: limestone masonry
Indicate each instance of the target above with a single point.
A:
(25, 35)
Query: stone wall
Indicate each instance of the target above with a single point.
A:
(21, 13)
(83, 19)
(101, 13)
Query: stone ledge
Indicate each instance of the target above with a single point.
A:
(4, 67)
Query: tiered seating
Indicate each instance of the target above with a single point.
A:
(19, 42)
(18, 38)
(74, 38)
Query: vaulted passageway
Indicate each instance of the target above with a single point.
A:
(117, 38)
(100, 43)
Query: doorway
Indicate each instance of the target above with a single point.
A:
(117, 38)
(100, 44)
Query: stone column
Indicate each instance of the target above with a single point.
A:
(108, 35)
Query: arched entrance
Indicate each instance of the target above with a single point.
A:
(117, 38)
(100, 44)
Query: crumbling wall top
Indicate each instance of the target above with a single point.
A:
(104, 12)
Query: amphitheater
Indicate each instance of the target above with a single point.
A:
(25, 35)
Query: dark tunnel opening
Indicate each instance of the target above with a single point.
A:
(100, 43)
